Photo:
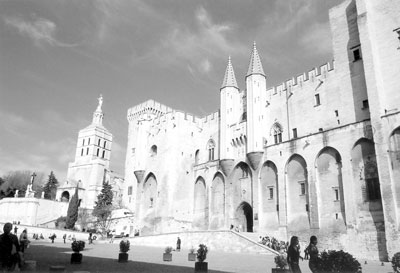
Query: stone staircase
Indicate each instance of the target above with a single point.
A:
(218, 240)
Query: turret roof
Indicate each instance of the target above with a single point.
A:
(255, 66)
(229, 79)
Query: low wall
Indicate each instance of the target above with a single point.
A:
(31, 211)
(46, 232)
(224, 240)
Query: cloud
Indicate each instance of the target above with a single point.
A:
(40, 30)
(317, 39)
(199, 46)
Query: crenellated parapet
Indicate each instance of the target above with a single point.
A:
(318, 73)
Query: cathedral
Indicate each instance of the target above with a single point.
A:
(318, 154)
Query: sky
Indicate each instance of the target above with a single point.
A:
(58, 56)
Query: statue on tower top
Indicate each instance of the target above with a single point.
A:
(100, 99)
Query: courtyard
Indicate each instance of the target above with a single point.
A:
(102, 257)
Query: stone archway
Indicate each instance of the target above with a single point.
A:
(148, 204)
(217, 204)
(269, 202)
(297, 194)
(330, 190)
(200, 207)
(244, 216)
(65, 196)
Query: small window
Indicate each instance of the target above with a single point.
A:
(133, 151)
(271, 193)
(104, 153)
(104, 145)
(87, 151)
(294, 132)
(130, 190)
(317, 100)
(365, 104)
(336, 113)
(153, 150)
(302, 188)
(98, 143)
(83, 142)
(336, 194)
(88, 141)
(356, 54)
(97, 153)
(82, 152)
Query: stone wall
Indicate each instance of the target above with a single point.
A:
(31, 211)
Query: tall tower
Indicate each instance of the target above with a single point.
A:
(255, 85)
(92, 160)
(229, 93)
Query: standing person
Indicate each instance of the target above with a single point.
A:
(15, 230)
(313, 252)
(178, 244)
(293, 255)
(9, 248)
(112, 237)
(64, 237)
(90, 238)
(52, 237)
(23, 240)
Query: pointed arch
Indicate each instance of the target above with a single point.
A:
(269, 203)
(276, 131)
(217, 204)
(211, 149)
(297, 196)
(200, 207)
(330, 194)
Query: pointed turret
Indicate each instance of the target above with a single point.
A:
(229, 79)
(98, 114)
(255, 66)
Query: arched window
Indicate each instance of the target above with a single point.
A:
(210, 148)
(153, 150)
(276, 131)
(197, 157)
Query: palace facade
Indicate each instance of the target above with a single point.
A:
(317, 155)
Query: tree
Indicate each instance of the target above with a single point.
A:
(103, 208)
(19, 180)
(50, 188)
(73, 207)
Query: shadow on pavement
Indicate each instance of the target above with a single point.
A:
(46, 256)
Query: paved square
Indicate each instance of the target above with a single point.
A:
(102, 257)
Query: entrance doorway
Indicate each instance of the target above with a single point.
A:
(244, 215)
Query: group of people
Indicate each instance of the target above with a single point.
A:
(273, 243)
(293, 254)
(11, 248)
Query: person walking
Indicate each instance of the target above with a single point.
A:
(293, 255)
(64, 237)
(313, 252)
(9, 249)
(23, 240)
(178, 244)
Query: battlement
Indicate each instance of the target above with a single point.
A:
(164, 113)
(318, 73)
(146, 107)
